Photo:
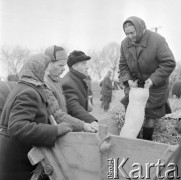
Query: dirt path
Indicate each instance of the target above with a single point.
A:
(98, 112)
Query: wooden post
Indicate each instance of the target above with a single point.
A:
(103, 150)
(52, 160)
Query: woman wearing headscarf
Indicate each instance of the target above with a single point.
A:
(24, 122)
(146, 61)
(54, 93)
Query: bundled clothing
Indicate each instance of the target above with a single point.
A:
(58, 113)
(76, 92)
(25, 121)
(55, 84)
(5, 89)
(148, 57)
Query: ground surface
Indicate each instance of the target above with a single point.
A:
(98, 112)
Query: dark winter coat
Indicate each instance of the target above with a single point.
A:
(23, 110)
(24, 122)
(149, 58)
(106, 86)
(76, 93)
(5, 88)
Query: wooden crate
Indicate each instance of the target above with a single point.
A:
(85, 156)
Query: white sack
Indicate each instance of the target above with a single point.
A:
(135, 112)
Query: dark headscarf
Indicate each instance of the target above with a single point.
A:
(139, 25)
(33, 69)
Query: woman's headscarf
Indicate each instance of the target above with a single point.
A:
(33, 69)
(139, 25)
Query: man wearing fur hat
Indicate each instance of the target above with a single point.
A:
(75, 87)
(54, 93)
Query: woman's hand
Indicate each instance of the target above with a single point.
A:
(133, 84)
(88, 128)
(95, 125)
(148, 83)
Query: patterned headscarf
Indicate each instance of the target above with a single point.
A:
(33, 69)
(139, 25)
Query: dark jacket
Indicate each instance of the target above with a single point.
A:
(76, 93)
(25, 123)
(5, 88)
(106, 85)
(151, 58)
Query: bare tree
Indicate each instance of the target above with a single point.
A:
(14, 57)
(111, 54)
(97, 64)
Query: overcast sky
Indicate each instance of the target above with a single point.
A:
(84, 24)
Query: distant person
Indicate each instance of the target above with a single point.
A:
(106, 91)
(76, 89)
(176, 89)
(5, 88)
(25, 121)
(146, 61)
(90, 93)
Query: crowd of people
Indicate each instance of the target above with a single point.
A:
(26, 102)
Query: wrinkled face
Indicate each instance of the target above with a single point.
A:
(57, 68)
(130, 32)
(82, 67)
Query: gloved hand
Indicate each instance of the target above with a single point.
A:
(148, 83)
(64, 128)
(88, 128)
(133, 83)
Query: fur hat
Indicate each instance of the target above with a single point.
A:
(56, 53)
(77, 56)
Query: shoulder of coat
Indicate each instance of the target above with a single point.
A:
(155, 36)
(124, 41)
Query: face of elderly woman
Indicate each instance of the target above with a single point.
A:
(57, 68)
(130, 32)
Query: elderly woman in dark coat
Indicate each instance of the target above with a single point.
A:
(24, 121)
(146, 61)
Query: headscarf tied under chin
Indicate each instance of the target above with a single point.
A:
(33, 69)
(139, 25)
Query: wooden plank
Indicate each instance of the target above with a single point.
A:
(104, 146)
(82, 153)
(35, 155)
(53, 158)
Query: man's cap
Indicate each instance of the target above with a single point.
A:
(77, 56)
